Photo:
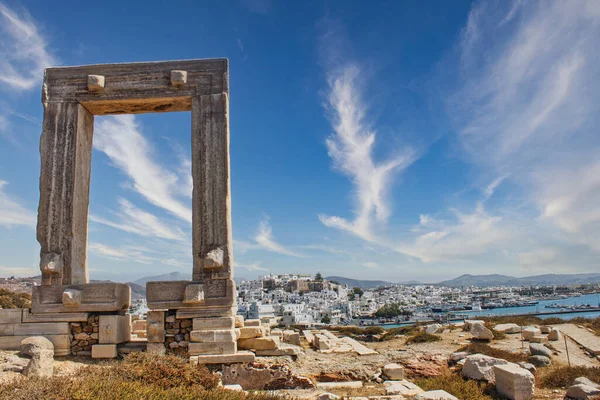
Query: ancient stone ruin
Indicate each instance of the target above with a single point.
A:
(90, 318)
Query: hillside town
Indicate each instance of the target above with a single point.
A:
(301, 299)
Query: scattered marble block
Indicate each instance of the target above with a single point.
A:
(514, 382)
(266, 343)
(435, 395)
(282, 350)
(554, 335)
(252, 322)
(540, 361)
(250, 332)
(404, 388)
(479, 331)
(104, 351)
(508, 328)
(539, 339)
(340, 385)
(530, 332)
(395, 372)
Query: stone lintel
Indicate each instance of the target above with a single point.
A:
(133, 88)
(95, 297)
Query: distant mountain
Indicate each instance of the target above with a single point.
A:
(364, 284)
(478, 280)
(504, 280)
(173, 276)
(559, 279)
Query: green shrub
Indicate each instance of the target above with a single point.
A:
(456, 385)
(486, 349)
(423, 337)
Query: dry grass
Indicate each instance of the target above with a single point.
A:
(557, 377)
(456, 385)
(423, 337)
(139, 376)
(486, 349)
(10, 299)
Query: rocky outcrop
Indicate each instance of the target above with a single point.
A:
(554, 335)
(537, 349)
(41, 352)
(480, 367)
(508, 328)
(540, 361)
(256, 376)
(583, 392)
(434, 328)
(480, 332)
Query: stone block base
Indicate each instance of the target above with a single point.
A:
(114, 329)
(62, 343)
(195, 349)
(239, 357)
(217, 293)
(104, 351)
(88, 297)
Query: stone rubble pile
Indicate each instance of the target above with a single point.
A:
(85, 335)
(326, 342)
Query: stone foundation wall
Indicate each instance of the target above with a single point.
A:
(85, 335)
(177, 334)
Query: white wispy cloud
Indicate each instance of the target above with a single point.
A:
(251, 267)
(7, 272)
(12, 212)
(23, 50)
(119, 137)
(351, 149)
(264, 240)
(120, 253)
(529, 106)
(134, 220)
(459, 239)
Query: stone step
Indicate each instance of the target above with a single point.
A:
(239, 357)
(34, 329)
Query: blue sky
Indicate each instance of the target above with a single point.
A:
(404, 140)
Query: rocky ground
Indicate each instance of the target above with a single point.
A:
(418, 360)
